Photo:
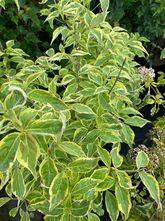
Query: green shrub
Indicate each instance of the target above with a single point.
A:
(59, 112)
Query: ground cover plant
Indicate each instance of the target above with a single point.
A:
(59, 111)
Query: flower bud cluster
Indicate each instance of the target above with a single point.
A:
(146, 73)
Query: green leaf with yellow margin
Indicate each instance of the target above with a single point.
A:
(111, 205)
(123, 200)
(83, 165)
(28, 153)
(47, 171)
(124, 179)
(142, 159)
(8, 149)
(17, 184)
(152, 186)
(58, 190)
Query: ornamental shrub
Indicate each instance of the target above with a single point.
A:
(58, 113)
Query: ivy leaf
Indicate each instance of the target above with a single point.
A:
(111, 205)
(47, 171)
(8, 149)
(72, 148)
(45, 97)
(58, 190)
(124, 179)
(47, 127)
(84, 186)
(142, 159)
(123, 200)
(105, 156)
(136, 121)
(152, 186)
(17, 184)
(117, 160)
(28, 153)
(83, 165)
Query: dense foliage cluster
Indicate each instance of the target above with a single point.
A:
(60, 110)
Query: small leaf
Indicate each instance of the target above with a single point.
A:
(111, 205)
(123, 200)
(17, 184)
(84, 186)
(97, 19)
(105, 156)
(45, 97)
(136, 121)
(104, 5)
(152, 186)
(142, 159)
(47, 171)
(47, 127)
(117, 160)
(72, 149)
(13, 212)
(58, 190)
(83, 165)
(4, 200)
(57, 32)
(27, 115)
(17, 4)
(8, 149)
(93, 217)
(124, 179)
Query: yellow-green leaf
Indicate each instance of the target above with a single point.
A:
(83, 165)
(58, 190)
(47, 127)
(105, 156)
(8, 149)
(123, 200)
(152, 186)
(72, 148)
(45, 97)
(106, 184)
(117, 160)
(84, 186)
(124, 179)
(47, 171)
(17, 184)
(111, 205)
(28, 153)
(142, 159)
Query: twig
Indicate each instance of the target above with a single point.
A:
(117, 78)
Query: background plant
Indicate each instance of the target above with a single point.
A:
(58, 113)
